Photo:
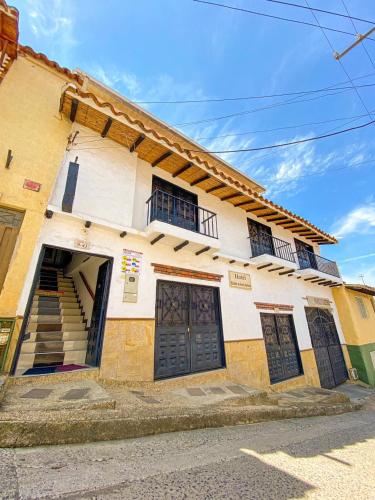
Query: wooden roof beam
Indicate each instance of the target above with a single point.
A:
(106, 127)
(303, 231)
(256, 209)
(243, 203)
(216, 188)
(182, 169)
(73, 110)
(137, 142)
(230, 196)
(266, 215)
(200, 179)
(273, 219)
(161, 158)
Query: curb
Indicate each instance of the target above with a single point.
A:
(86, 430)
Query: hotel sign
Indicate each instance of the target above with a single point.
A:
(239, 280)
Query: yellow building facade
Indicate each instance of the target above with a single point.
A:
(355, 305)
(33, 139)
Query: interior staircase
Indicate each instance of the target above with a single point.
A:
(56, 333)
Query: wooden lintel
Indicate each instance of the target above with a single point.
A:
(230, 196)
(137, 142)
(200, 179)
(182, 169)
(107, 126)
(202, 250)
(158, 238)
(276, 269)
(264, 266)
(161, 158)
(73, 110)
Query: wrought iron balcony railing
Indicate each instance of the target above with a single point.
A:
(178, 212)
(309, 260)
(264, 243)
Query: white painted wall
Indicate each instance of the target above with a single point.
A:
(113, 186)
(106, 179)
(90, 270)
(241, 319)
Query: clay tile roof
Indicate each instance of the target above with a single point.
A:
(24, 49)
(368, 290)
(199, 159)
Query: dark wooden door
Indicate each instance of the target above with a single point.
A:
(174, 205)
(10, 223)
(96, 330)
(283, 356)
(327, 347)
(188, 335)
(260, 238)
(305, 253)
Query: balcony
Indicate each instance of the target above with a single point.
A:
(314, 266)
(180, 223)
(267, 251)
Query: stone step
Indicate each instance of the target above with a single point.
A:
(56, 336)
(58, 318)
(55, 327)
(64, 311)
(27, 360)
(54, 346)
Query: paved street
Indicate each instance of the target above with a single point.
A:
(320, 457)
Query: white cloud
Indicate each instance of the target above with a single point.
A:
(53, 20)
(359, 220)
(125, 82)
(359, 257)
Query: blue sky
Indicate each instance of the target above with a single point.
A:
(155, 50)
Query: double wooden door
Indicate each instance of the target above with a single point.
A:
(327, 347)
(188, 329)
(283, 356)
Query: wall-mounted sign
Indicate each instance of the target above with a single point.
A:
(31, 185)
(131, 262)
(81, 244)
(239, 280)
(131, 267)
(318, 302)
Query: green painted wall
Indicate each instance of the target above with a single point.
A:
(361, 359)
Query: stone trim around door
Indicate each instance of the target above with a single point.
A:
(273, 307)
(185, 273)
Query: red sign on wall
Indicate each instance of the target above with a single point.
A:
(32, 185)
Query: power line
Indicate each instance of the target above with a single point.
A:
(255, 110)
(273, 146)
(267, 96)
(239, 9)
(321, 10)
(288, 127)
(340, 62)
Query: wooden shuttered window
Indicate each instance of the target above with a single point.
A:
(10, 223)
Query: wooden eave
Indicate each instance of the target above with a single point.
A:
(9, 34)
(86, 109)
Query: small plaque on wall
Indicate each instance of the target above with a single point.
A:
(318, 302)
(239, 280)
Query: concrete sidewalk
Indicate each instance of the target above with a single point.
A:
(39, 413)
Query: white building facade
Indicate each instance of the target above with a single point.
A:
(194, 283)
